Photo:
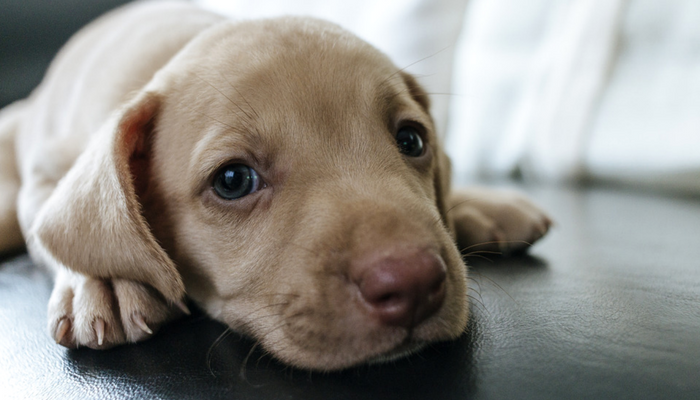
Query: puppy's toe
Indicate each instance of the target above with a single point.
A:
(476, 232)
(100, 314)
(541, 224)
(143, 310)
(63, 332)
(528, 223)
(508, 219)
(60, 313)
(522, 221)
(96, 323)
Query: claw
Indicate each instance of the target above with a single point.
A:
(138, 320)
(61, 329)
(182, 307)
(99, 326)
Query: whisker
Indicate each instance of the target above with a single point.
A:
(212, 118)
(244, 365)
(263, 355)
(239, 93)
(397, 94)
(227, 98)
(262, 336)
(283, 323)
(218, 340)
(496, 242)
(478, 284)
(479, 256)
(479, 303)
(495, 284)
(469, 200)
(476, 252)
(414, 63)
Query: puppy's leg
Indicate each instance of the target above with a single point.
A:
(495, 220)
(100, 314)
(10, 234)
(87, 311)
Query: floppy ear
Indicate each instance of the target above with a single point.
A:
(442, 176)
(92, 223)
(443, 186)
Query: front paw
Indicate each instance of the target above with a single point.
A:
(101, 314)
(496, 221)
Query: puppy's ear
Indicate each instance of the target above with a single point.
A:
(416, 90)
(92, 223)
(443, 186)
(442, 177)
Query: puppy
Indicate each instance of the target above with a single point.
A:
(282, 174)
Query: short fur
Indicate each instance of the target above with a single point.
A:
(108, 169)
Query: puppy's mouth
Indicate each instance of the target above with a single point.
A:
(356, 352)
(349, 338)
(389, 306)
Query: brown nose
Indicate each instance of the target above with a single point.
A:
(402, 288)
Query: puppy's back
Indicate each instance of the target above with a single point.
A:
(96, 72)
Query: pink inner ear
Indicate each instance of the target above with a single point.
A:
(136, 138)
(139, 168)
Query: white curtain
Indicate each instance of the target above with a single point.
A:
(560, 90)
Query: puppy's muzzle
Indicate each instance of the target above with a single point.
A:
(399, 286)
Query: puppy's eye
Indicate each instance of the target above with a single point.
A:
(409, 141)
(235, 181)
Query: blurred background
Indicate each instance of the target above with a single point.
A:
(558, 91)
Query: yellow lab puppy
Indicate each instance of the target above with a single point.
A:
(282, 173)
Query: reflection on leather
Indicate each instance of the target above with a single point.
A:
(605, 307)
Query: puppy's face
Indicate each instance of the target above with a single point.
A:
(295, 180)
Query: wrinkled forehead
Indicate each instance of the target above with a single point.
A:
(306, 67)
(291, 83)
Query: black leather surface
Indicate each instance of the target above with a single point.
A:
(31, 32)
(607, 307)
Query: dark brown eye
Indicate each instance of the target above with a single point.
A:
(409, 141)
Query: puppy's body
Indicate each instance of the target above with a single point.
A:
(343, 252)
(94, 75)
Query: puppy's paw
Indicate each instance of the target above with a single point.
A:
(494, 220)
(101, 314)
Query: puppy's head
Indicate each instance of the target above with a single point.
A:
(293, 175)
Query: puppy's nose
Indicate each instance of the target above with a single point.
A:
(401, 288)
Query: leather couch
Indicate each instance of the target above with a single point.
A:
(606, 307)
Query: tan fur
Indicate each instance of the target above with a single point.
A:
(10, 236)
(117, 151)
